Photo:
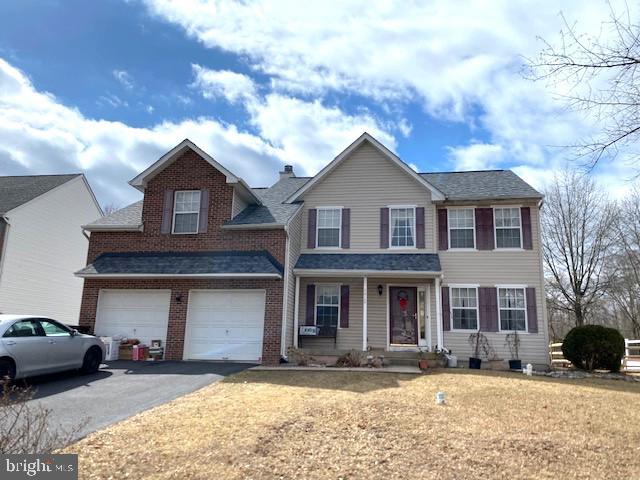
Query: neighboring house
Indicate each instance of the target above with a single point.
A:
(42, 243)
(375, 255)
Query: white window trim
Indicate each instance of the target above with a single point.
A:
(173, 219)
(475, 240)
(462, 285)
(339, 247)
(315, 302)
(495, 228)
(400, 247)
(526, 319)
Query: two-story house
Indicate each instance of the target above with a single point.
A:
(373, 254)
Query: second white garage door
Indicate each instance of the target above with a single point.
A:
(225, 325)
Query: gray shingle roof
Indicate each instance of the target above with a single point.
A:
(272, 210)
(17, 190)
(183, 263)
(481, 185)
(130, 215)
(391, 262)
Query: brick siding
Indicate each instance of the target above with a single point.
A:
(190, 172)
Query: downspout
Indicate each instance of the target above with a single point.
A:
(4, 234)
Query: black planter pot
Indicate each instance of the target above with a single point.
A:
(515, 364)
(475, 363)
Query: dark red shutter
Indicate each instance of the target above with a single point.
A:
(446, 311)
(311, 228)
(344, 306)
(384, 228)
(310, 318)
(420, 227)
(532, 310)
(443, 232)
(167, 212)
(484, 228)
(204, 211)
(527, 241)
(488, 309)
(346, 227)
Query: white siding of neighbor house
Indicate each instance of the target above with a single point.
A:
(44, 247)
(294, 239)
(365, 182)
(238, 204)
(495, 267)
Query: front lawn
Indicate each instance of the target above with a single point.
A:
(360, 425)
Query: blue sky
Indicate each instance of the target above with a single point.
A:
(106, 87)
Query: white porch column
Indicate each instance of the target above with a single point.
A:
(296, 309)
(364, 314)
(439, 313)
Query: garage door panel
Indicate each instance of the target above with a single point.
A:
(141, 314)
(225, 325)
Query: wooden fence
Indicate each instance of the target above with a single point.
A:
(630, 362)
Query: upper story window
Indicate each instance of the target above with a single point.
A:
(464, 308)
(462, 228)
(329, 224)
(186, 211)
(508, 227)
(402, 225)
(327, 305)
(513, 309)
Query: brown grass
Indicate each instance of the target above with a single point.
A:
(268, 425)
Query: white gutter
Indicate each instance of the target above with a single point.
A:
(377, 273)
(178, 275)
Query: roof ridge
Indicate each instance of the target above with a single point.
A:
(468, 171)
(75, 174)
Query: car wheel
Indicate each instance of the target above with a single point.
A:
(91, 362)
(7, 370)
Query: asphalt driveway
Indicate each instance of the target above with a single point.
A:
(121, 389)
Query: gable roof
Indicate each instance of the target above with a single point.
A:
(365, 137)
(127, 218)
(273, 212)
(140, 181)
(482, 185)
(18, 190)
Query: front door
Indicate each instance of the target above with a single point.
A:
(403, 316)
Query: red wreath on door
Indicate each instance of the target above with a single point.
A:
(403, 300)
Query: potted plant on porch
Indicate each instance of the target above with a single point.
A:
(513, 342)
(481, 347)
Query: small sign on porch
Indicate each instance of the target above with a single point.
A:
(309, 330)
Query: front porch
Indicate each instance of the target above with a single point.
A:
(395, 314)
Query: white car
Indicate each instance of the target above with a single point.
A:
(33, 345)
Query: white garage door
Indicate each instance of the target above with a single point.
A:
(141, 314)
(225, 325)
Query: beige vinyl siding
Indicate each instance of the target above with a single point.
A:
(495, 267)
(348, 338)
(238, 204)
(365, 182)
(294, 231)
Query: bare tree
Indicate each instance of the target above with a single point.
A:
(577, 226)
(624, 291)
(109, 208)
(600, 73)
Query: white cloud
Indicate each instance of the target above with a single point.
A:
(223, 83)
(459, 62)
(39, 135)
(477, 156)
(125, 79)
